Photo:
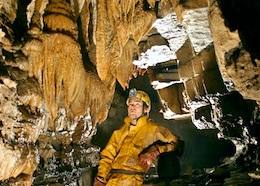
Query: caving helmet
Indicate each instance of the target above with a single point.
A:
(139, 94)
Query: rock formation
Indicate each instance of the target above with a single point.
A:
(60, 61)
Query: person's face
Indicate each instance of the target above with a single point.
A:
(135, 109)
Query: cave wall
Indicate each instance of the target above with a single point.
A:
(233, 41)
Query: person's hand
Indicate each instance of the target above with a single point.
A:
(98, 183)
(147, 159)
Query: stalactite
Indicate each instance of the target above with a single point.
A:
(56, 61)
(119, 21)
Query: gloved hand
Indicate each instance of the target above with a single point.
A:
(147, 159)
(98, 183)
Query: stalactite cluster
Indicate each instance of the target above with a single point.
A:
(60, 61)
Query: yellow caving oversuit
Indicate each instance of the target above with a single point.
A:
(119, 164)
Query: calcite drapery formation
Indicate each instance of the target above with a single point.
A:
(117, 28)
(119, 22)
(55, 59)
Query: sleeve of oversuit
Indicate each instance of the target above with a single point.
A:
(170, 140)
(107, 156)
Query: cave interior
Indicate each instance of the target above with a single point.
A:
(66, 67)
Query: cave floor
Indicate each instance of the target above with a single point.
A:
(218, 176)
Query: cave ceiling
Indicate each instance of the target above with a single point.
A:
(61, 61)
